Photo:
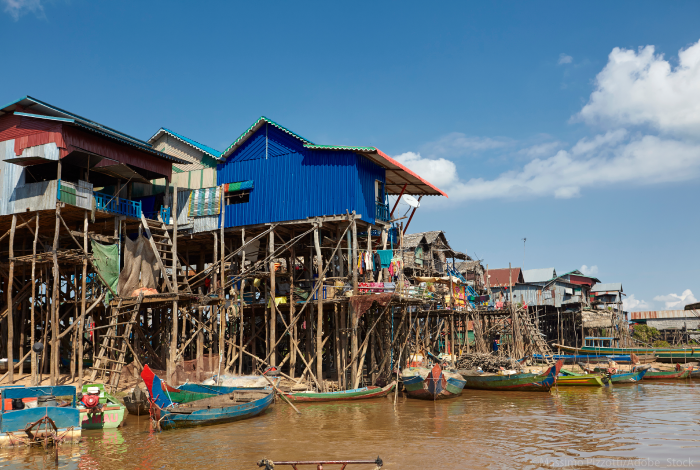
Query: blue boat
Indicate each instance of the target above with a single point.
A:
(628, 377)
(222, 389)
(22, 407)
(218, 409)
(432, 384)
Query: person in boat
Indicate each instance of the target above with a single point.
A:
(496, 344)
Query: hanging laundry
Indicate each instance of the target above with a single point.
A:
(385, 257)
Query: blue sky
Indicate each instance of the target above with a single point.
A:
(574, 125)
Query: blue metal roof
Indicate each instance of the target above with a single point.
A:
(204, 148)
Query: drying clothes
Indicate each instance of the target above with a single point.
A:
(377, 263)
(385, 257)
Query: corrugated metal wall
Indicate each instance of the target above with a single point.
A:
(11, 176)
(296, 183)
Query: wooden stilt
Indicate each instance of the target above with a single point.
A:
(241, 290)
(34, 299)
(319, 308)
(173, 333)
(55, 353)
(353, 320)
(10, 308)
(273, 307)
(292, 311)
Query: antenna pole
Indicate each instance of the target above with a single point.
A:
(524, 240)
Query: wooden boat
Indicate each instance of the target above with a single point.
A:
(215, 409)
(108, 416)
(628, 377)
(21, 407)
(345, 395)
(568, 378)
(136, 407)
(174, 394)
(514, 382)
(662, 354)
(221, 389)
(668, 374)
(435, 385)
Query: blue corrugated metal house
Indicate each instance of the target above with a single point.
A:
(273, 175)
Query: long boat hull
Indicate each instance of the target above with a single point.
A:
(669, 375)
(516, 382)
(215, 409)
(629, 377)
(175, 419)
(433, 387)
(662, 354)
(347, 395)
(580, 381)
(175, 395)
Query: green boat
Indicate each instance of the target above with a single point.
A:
(108, 414)
(668, 374)
(571, 379)
(608, 347)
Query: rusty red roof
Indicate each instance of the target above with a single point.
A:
(500, 277)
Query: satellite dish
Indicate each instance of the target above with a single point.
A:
(411, 201)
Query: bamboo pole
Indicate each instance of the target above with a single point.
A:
(10, 309)
(292, 309)
(353, 317)
(240, 357)
(53, 359)
(273, 305)
(173, 333)
(319, 308)
(33, 324)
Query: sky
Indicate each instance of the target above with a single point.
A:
(572, 125)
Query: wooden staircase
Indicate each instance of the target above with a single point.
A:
(112, 355)
(162, 245)
(536, 338)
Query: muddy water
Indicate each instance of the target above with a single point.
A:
(653, 425)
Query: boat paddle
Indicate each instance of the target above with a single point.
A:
(280, 393)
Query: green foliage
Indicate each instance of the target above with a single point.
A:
(645, 333)
(661, 344)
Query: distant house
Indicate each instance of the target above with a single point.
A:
(607, 295)
(501, 280)
(429, 254)
(688, 319)
(577, 277)
(539, 275)
(274, 175)
(197, 156)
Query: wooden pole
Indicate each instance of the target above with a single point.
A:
(353, 317)
(222, 293)
(273, 305)
(319, 309)
(292, 311)
(240, 358)
(53, 359)
(173, 332)
(33, 324)
(81, 326)
(10, 309)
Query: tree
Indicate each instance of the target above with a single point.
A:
(644, 333)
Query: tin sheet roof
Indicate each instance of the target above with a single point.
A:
(193, 143)
(662, 314)
(539, 275)
(41, 110)
(609, 286)
(502, 277)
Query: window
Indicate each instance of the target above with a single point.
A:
(237, 197)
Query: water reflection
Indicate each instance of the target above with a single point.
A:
(574, 427)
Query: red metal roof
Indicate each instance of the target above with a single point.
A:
(501, 277)
(661, 314)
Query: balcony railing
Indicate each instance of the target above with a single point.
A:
(117, 205)
(382, 212)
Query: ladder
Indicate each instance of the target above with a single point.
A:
(536, 338)
(162, 245)
(112, 355)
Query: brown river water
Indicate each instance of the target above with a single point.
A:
(649, 425)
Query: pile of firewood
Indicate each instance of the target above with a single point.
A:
(487, 362)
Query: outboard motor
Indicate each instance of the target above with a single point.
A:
(17, 404)
(92, 398)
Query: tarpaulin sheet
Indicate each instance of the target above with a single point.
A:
(106, 258)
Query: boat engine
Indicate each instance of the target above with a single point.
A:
(92, 398)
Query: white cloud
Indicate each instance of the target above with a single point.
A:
(641, 160)
(439, 171)
(541, 150)
(641, 88)
(592, 271)
(675, 301)
(17, 8)
(634, 88)
(457, 144)
(631, 303)
(565, 59)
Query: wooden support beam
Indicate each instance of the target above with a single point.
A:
(55, 354)
(10, 313)
(273, 304)
(353, 317)
(32, 321)
(173, 333)
(240, 292)
(319, 307)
